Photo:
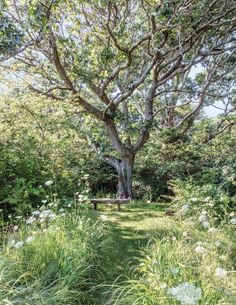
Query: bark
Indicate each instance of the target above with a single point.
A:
(125, 177)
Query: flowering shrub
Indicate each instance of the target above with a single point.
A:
(207, 201)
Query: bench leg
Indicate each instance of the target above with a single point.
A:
(95, 205)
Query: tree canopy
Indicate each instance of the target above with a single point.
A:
(133, 65)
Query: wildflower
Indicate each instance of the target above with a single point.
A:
(223, 258)
(186, 293)
(63, 215)
(49, 182)
(69, 205)
(103, 217)
(212, 230)
(44, 201)
(184, 208)
(232, 221)
(220, 272)
(30, 239)
(45, 213)
(19, 244)
(41, 220)
(205, 224)
(204, 212)
(207, 199)
(202, 218)
(211, 204)
(11, 243)
(163, 285)
(174, 270)
(30, 220)
(194, 199)
(185, 234)
(52, 216)
(15, 228)
(217, 243)
(148, 201)
(200, 250)
(232, 214)
(35, 213)
(61, 210)
(18, 217)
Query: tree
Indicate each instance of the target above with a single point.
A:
(128, 63)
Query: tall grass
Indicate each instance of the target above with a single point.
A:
(58, 265)
(188, 255)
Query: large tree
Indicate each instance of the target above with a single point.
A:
(131, 64)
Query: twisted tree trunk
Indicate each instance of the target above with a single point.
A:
(125, 177)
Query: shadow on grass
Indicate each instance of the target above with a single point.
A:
(130, 232)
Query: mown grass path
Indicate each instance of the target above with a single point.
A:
(130, 231)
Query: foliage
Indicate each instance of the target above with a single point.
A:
(51, 260)
(36, 147)
(207, 162)
(183, 255)
(137, 67)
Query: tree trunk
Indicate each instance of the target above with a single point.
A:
(125, 177)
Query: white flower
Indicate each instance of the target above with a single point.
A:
(49, 182)
(212, 230)
(204, 212)
(69, 205)
(186, 293)
(232, 221)
(103, 217)
(207, 199)
(200, 250)
(217, 243)
(45, 213)
(223, 258)
(148, 201)
(63, 215)
(36, 213)
(220, 272)
(15, 228)
(11, 243)
(61, 210)
(52, 216)
(18, 217)
(30, 220)
(29, 239)
(185, 234)
(232, 214)
(19, 244)
(41, 220)
(163, 285)
(174, 270)
(44, 201)
(205, 224)
(185, 208)
(202, 218)
(194, 199)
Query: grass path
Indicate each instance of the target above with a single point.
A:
(130, 231)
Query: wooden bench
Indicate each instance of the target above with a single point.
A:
(95, 202)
